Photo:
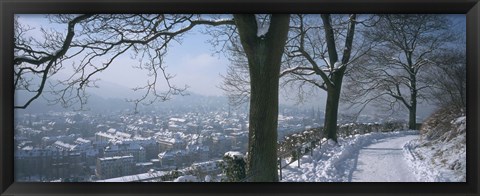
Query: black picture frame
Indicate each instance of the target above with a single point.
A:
(471, 8)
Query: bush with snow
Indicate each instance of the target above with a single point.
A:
(234, 166)
(440, 125)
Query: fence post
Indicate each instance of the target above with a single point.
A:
(298, 156)
(312, 145)
(280, 166)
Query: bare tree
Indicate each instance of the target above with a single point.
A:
(102, 37)
(311, 61)
(449, 78)
(394, 75)
(263, 46)
(236, 82)
(98, 40)
(315, 61)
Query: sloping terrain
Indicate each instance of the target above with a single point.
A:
(440, 153)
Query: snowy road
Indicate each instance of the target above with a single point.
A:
(383, 161)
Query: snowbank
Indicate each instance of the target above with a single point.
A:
(234, 155)
(442, 159)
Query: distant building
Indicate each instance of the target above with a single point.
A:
(167, 159)
(177, 124)
(175, 159)
(103, 137)
(165, 144)
(120, 148)
(208, 167)
(111, 167)
(46, 141)
(63, 146)
(177, 120)
(111, 134)
(150, 145)
(81, 141)
(47, 164)
(143, 167)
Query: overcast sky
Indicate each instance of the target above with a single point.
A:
(193, 62)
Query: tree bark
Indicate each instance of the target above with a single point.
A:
(412, 116)
(331, 108)
(335, 87)
(264, 56)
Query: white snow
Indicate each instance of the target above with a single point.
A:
(187, 178)
(136, 178)
(384, 161)
(331, 142)
(288, 70)
(347, 160)
(262, 31)
(234, 154)
(208, 178)
(262, 26)
(440, 161)
(461, 120)
(337, 65)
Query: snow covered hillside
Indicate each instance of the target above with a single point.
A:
(370, 157)
(440, 154)
(436, 153)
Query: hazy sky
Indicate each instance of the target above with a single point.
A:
(193, 62)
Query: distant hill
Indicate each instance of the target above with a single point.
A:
(112, 97)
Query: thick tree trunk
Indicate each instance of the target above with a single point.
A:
(334, 86)
(262, 149)
(264, 58)
(412, 116)
(331, 109)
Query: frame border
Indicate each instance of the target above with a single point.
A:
(471, 8)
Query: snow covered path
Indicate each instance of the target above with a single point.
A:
(370, 157)
(383, 161)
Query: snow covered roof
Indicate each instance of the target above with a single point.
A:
(111, 130)
(144, 164)
(115, 158)
(63, 146)
(208, 165)
(136, 177)
(82, 141)
(177, 139)
(27, 148)
(123, 135)
(181, 120)
(107, 135)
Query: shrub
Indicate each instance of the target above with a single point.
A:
(234, 166)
